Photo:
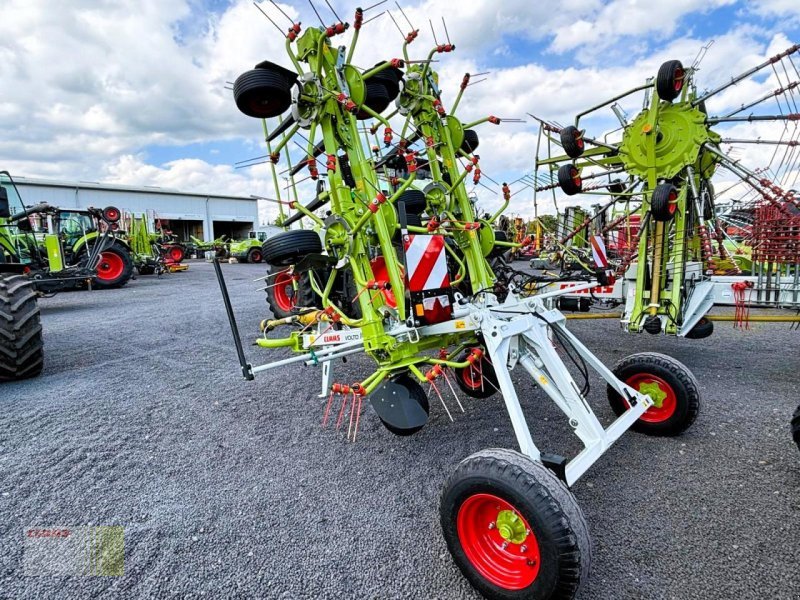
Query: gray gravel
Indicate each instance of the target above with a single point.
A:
(230, 488)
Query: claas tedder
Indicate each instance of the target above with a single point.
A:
(399, 269)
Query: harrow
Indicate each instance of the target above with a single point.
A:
(400, 269)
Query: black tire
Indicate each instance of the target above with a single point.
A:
(702, 329)
(796, 427)
(572, 141)
(390, 79)
(415, 201)
(499, 236)
(377, 98)
(557, 547)
(569, 180)
(255, 256)
(670, 79)
(115, 268)
(288, 247)
(471, 141)
(470, 382)
(146, 269)
(21, 345)
(283, 299)
(262, 93)
(418, 394)
(677, 384)
(662, 202)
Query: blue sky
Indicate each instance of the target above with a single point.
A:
(139, 95)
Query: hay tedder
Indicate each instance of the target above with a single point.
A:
(399, 269)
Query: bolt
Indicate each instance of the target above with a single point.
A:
(532, 562)
(505, 545)
(523, 549)
(491, 525)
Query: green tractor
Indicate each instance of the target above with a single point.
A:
(249, 250)
(44, 250)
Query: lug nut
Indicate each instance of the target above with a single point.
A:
(524, 548)
(491, 525)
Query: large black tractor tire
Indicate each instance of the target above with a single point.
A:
(377, 99)
(115, 268)
(290, 246)
(663, 202)
(390, 78)
(572, 141)
(471, 141)
(670, 79)
(254, 255)
(479, 380)
(262, 93)
(796, 427)
(285, 296)
(21, 346)
(514, 529)
(569, 180)
(668, 382)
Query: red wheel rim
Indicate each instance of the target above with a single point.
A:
(498, 541)
(176, 254)
(579, 139)
(111, 266)
(576, 178)
(678, 79)
(283, 292)
(472, 377)
(673, 205)
(256, 256)
(660, 391)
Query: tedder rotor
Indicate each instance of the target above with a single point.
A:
(399, 269)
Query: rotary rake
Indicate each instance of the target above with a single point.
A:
(399, 269)
(660, 214)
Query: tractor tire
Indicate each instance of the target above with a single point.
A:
(796, 427)
(176, 252)
(662, 202)
(514, 529)
(390, 79)
(471, 141)
(115, 268)
(703, 329)
(415, 201)
(477, 381)
(572, 141)
(146, 269)
(255, 256)
(290, 246)
(283, 297)
(669, 81)
(676, 386)
(21, 345)
(569, 180)
(262, 93)
(377, 98)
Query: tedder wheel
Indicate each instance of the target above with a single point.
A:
(572, 141)
(254, 255)
(513, 528)
(477, 380)
(176, 253)
(701, 330)
(21, 346)
(796, 426)
(115, 267)
(287, 292)
(415, 201)
(669, 81)
(263, 92)
(569, 180)
(288, 247)
(471, 141)
(669, 383)
(377, 98)
(663, 202)
(390, 79)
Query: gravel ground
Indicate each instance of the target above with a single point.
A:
(231, 488)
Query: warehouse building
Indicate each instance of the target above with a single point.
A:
(204, 216)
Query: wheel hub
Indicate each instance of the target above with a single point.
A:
(655, 392)
(510, 527)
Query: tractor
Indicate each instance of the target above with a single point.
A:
(249, 250)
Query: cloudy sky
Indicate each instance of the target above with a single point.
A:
(135, 92)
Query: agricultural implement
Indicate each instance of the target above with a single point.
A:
(400, 270)
(249, 250)
(45, 250)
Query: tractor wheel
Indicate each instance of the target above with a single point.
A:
(377, 99)
(471, 141)
(254, 255)
(176, 253)
(115, 267)
(569, 180)
(669, 383)
(411, 397)
(477, 380)
(288, 247)
(669, 81)
(415, 201)
(285, 294)
(701, 330)
(21, 346)
(262, 93)
(663, 202)
(572, 141)
(146, 269)
(513, 528)
(796, 427)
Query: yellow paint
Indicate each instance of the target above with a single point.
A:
(461, 325)
(543, 380)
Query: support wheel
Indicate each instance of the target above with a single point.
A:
(664, 202)
(669, 81)
(572, 141)
(670, 384)
(287, 292)
(477, 380)
(264, 92)
(513, 528)
(569, 180)
(21, 345)
(254, 255)
(288, 247)
(703, 329)
(471, 141)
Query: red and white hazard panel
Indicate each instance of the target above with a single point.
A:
(428, 279)
(599, 252)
